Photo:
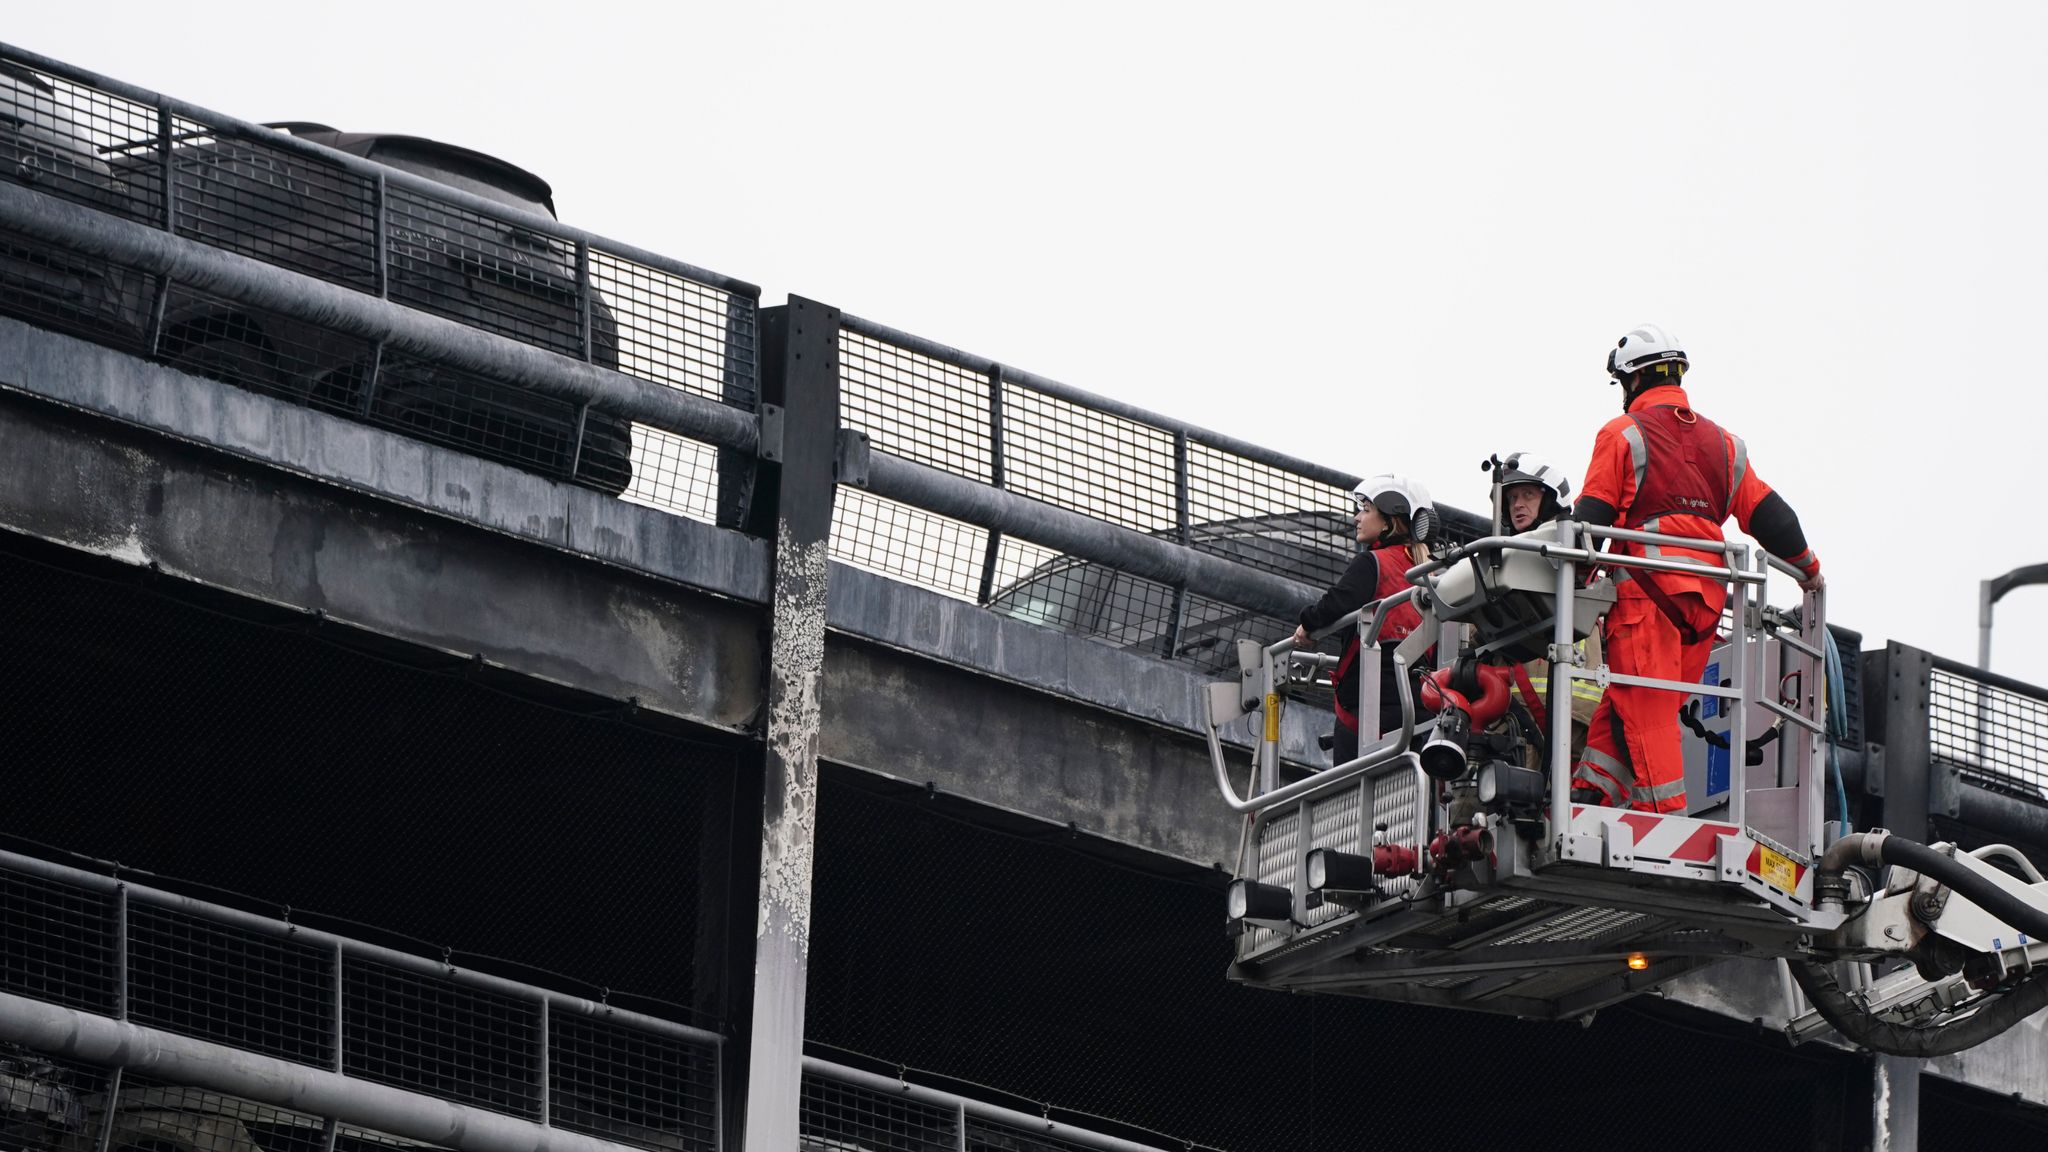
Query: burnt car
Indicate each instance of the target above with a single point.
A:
(248, 193)
(480, 270)
(45, 144)
(41, 1108)
(1310, 546)
(1081, 596)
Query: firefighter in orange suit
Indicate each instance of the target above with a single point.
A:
(1662, 467)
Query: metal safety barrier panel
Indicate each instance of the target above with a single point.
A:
(846, 1108)
(353, 1011)
(502, 265)
(1993, 730)
(995, 425)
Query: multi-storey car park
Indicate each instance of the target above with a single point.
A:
(480, 685)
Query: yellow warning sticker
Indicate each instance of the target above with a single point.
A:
(1272, 717)
(1777, 870)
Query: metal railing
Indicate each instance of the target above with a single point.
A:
(846, 1108)
(395, 235)
(353, 1010)
(992, 424)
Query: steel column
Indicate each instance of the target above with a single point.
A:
(1908, 679)
(1907, 686)
(1185, 533)
(121, 952)
(112, 1111)
(995, 478)
(168, 217)
(382, 241)
(1894, 1104)
(801, 373)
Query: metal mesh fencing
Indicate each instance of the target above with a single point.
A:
(973, 419)
(351, 1139)
(264, 758)
(265, 352)
(162, 1116)
(486, 272)
(64, 292)
(989, 1136)
(257, 988)
(836, 1115)
(72, 140)
(910, 544)
(1043, 587)
(60, 942)
(49, 1104)
(431, 1035)
(1097, 463)
(631, 1086)
(248, 194)
(1995, 733)
(679, 475)
(245, 989)
(916, 406)
(259, 193)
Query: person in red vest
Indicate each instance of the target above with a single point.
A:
(1662, 467)
(1397, 523)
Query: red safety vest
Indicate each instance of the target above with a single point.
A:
(1685, 473)
(1394, 562)
(1687, 468)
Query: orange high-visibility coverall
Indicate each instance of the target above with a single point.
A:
(1663, 468)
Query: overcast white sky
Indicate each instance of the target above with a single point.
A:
(1383, 237)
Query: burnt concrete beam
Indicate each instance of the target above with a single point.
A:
(1135, 684)
(381, 463)
(135, 496)
(1007, 746)
(333, 521)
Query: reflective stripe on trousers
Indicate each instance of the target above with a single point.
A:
(1603, 774)
(1638, 726)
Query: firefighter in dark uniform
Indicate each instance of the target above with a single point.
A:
(1396, 522)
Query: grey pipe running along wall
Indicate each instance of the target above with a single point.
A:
(258, 285)
(216, 122)
(67, 1032)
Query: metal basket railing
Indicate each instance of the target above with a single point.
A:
(183, 966)
(269, 195)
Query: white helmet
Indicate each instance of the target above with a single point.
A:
(1643, 347)
(1529, 468)
(1400, 496)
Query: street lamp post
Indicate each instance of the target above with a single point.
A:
(1990, 592)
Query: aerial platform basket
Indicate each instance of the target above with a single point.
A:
(1477, 883)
